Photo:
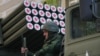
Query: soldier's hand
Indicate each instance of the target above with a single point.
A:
(23, 49)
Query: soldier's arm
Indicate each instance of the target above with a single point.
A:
(47, 48)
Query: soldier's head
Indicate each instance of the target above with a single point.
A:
(50, 28)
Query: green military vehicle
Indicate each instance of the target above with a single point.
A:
(82, 36)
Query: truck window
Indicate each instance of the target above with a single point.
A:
(80, 27)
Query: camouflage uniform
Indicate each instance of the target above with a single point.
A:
(51, 47)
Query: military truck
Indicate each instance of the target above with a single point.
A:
(82, 28)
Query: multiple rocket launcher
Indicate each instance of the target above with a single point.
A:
(37, 14)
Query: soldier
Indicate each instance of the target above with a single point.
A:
(52, 42)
